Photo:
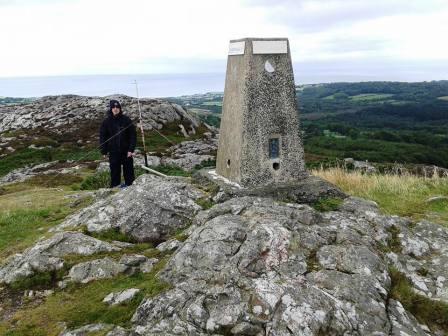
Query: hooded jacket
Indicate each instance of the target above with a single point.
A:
(117, 133)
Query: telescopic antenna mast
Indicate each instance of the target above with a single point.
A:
(141, 123)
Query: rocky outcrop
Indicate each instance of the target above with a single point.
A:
(150, 210)
(187, 161)
(189, 154)
(310, 189)
(47, 255)
(66, 113)
(253, 266)
(422, 255)
(206, 146)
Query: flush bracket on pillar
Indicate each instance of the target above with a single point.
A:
(274, 152)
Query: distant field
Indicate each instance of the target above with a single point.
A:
(371, 96)
(13, 100)
(330, 97)
(396, 102)
(443, 98)
(212, 103)
(362, 96)
(199, 111)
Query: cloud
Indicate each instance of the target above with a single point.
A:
(321, 15)
(51, 37)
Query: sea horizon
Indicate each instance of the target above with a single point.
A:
(149, 85)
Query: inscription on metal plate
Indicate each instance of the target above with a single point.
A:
(270, 47)
(237, 48)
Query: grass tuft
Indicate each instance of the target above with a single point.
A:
(312, 262)
(113, 234)
(39, 281)
(96, 181)
(327, 204)
(205, 203)
(171, 170)
(393, 242)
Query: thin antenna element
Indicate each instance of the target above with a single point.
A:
(141, 123)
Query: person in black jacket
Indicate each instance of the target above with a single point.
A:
(118, 139)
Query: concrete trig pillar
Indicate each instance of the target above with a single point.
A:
(260, 142)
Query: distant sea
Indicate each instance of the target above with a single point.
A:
(154, 86)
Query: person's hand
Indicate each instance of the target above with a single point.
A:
(130, 154)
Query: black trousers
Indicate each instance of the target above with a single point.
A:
(116, 160)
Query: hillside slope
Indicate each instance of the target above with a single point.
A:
(245, 266)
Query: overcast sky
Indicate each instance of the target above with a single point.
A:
(331, 40)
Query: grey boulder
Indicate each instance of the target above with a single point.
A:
(106, 268)
(169, 245)
(121, 297)
(96, 269)
(151, 209)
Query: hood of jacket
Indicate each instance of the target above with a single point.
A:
(113, 103)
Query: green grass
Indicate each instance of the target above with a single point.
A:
(54, 180)
(205, 203)
(21, 228)
(20, 225)
(22, 158)
(327, 204)
(206, 164)
(102, 179)
(82, 304)
(27, 212)
(96, 181)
